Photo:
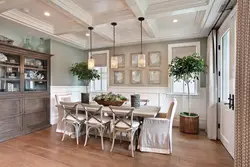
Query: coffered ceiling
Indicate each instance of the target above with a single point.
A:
(69, 19)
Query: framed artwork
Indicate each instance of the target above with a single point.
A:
(121, 61)
(119, 77)
(154, 76)
(136, 77)
(154, 59)
(134, 59)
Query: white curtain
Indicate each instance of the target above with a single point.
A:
(211, 87)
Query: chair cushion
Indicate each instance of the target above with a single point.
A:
(80, 117)
(122, 125)
(104, 120)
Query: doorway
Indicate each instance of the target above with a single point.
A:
(226, 81)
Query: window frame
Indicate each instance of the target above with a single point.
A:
(101, 52)
(170, 56)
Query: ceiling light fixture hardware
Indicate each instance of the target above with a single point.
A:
(114, 58)
(141, 56)
(47, 14)
(91, 61)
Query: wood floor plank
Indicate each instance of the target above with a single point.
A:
(44, 148)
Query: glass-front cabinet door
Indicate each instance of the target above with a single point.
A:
(35, 74)
(9, 73)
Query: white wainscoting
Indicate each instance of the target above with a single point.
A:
(160, 96)
(76, 96)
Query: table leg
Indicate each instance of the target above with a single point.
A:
(138, 133)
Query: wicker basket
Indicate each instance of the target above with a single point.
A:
(110, 103)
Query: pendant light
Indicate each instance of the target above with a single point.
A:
(141, 56)
(91, 61)
(114, 58)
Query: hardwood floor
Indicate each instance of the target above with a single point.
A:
(45, 149)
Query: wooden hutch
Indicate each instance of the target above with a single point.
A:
(24, 91)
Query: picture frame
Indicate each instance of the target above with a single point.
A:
(136, 77)
(119, 77)
(121, 60)
(154, 77)
(154, 59)
(134, 59)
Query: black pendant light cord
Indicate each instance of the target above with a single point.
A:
(141, 20)
(114, 24)
(90, 41)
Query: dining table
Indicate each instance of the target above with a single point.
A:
(139, 113)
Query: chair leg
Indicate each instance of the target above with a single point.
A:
(64, 131)
(77, 133)
(86, 135)
(132, 143)
(101, 133)
(113, 142)
(120, 137)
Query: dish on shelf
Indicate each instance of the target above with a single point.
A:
(3, 58)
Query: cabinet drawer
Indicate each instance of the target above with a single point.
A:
(36, 119)
(10, 107)
(10, 124)
(35, 105)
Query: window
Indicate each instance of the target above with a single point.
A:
(181, 87)
(102, 84)
(101, 65)
(181, 50)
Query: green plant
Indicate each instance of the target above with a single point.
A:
(83, 73)
(110, 97)
(188, 69)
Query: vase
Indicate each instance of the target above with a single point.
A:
(135, 100)
(85, 98)
(41, 47)
(27, 44)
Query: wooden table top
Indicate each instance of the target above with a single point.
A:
(142, 111)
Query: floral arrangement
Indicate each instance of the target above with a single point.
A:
(110, 97)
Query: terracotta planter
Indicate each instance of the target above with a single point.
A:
(189, 124)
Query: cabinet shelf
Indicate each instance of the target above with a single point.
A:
(10, 79)
(36, 80)
(35, 68)
(11, 65)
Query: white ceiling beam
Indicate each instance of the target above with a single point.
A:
(60, 30)
(155, 15)
(31, 22)
(9, 5)
(139, 8)
(82, 17)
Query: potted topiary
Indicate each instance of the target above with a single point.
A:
(188, 69)
(85, 75)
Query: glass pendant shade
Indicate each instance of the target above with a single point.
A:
(114, 59)
(141, 60)
(91, 63)
(114, 62)
(141, 56)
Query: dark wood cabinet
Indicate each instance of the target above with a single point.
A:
(24, 91)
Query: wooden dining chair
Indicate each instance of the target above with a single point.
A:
(95, 119)
(144, 101)
(123, 122)
(72, 117)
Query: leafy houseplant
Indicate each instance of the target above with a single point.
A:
(187, 69)
(110, 99)
(85, 75)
